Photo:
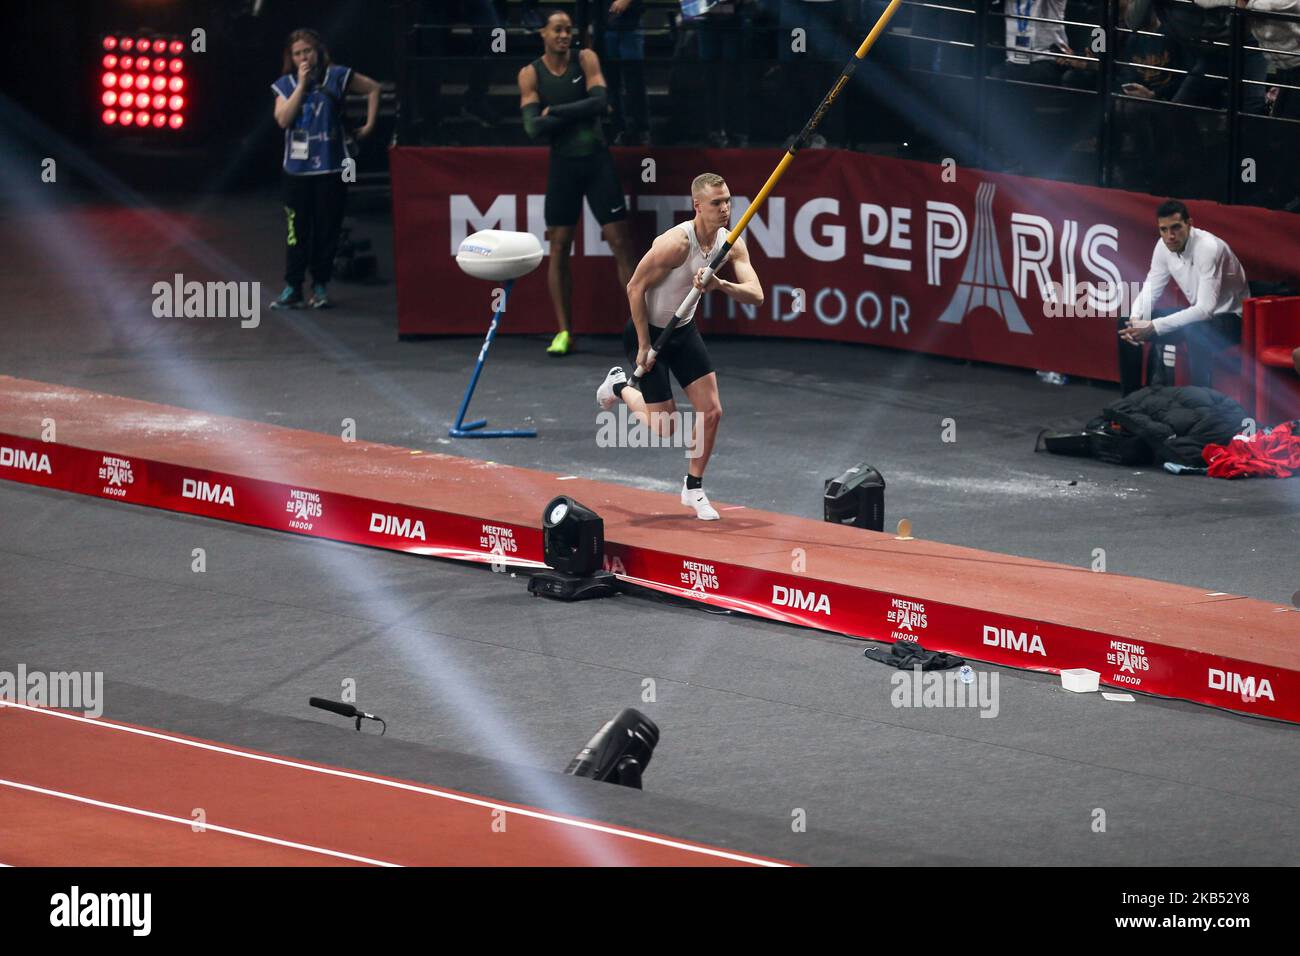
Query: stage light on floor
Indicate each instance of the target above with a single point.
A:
(573, 537)
(573, 545)
(620, 751)
(856, 498)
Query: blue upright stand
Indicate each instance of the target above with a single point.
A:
(464, 429)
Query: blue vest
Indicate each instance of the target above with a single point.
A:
(320, 117)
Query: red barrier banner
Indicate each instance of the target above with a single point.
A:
(1005, 639)
(849, 247)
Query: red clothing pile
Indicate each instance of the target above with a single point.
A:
(1272, 455)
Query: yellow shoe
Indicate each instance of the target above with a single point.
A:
(560, 344)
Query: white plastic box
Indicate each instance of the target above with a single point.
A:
(1080, 680)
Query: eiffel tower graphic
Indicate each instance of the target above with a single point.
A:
(983, 283)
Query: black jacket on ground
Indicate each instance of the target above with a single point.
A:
(1178, 421)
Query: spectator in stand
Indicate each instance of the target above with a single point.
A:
(720, 29)
(1197, 31)
(621, 46)
(1031, 41)
(1278, 38)
(1148, 51)
(1214, 283)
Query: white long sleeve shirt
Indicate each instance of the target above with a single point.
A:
(1277, 37)
(1206, 271)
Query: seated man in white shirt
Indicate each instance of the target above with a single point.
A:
(1209, 275)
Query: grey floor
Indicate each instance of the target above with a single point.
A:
(490, 690)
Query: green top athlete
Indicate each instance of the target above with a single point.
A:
(563, 101)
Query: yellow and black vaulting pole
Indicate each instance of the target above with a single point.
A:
(721, 254)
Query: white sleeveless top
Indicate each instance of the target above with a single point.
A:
(662, 300)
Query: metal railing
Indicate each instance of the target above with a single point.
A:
(979, 39)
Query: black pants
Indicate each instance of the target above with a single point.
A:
(313, 209)
(1204, 341)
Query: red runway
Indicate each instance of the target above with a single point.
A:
(82, 792)
(1165, 639)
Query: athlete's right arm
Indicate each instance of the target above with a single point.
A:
(669, 252)
(530, 102)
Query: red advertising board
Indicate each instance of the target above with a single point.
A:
(849, 247)
(982, 634)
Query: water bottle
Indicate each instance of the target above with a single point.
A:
(1052, 378)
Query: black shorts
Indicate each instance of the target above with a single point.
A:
(685, 356)
(572, 177)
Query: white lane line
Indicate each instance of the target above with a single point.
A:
(399, 785)
(190, 823)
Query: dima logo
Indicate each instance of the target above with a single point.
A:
(398, 527)
(26, 460)
(207, 491)
(802, 600)
(1249, 688)
(1012, 641)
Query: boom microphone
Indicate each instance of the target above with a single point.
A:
(347, 710)
(343, 710)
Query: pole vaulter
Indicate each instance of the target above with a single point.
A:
(720, 255)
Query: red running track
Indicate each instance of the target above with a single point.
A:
(81, 792)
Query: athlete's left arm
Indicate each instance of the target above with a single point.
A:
(747, 289)
(360, 83)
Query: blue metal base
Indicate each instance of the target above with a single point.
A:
(470, 431)
(464, 429)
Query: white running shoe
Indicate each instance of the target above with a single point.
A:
(697, 499)
(605, 396)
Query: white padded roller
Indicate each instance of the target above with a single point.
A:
(497, 255)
